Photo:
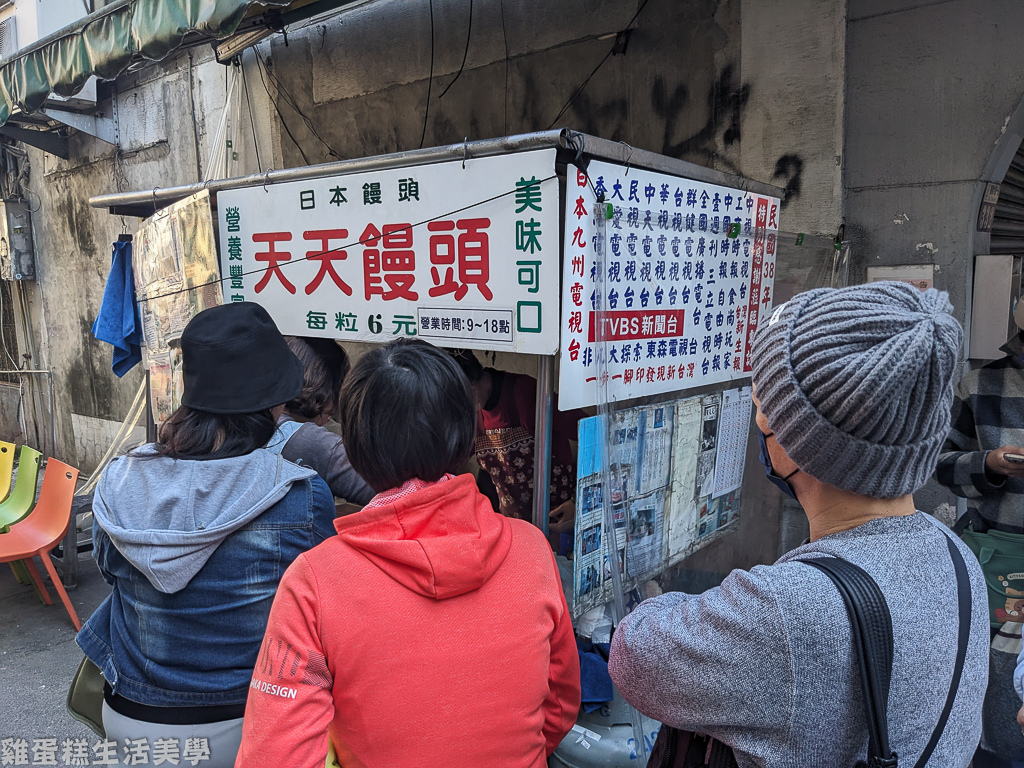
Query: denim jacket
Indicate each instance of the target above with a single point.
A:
(194, 551)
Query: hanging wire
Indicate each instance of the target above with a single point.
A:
(504, 36)
(465, 53)
(341, 248)
(252, 121)
(578, 92)
(283, 93)
(284, 123)
(218, 147)
(430, 80)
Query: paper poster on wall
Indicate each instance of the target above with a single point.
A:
(460, 254)
(625, 452)
(733, 430)
(675, 470)
(176, 277)
(682, 516)
(711, 410)
(688, 273)
(656, 449)
(639, 444)
(644, 534)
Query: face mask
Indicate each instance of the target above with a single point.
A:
(782, 483)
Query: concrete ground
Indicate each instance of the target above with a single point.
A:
(39, 656)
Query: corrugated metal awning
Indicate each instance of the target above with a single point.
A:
(106, 42)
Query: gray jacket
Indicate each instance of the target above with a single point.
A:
(324, 452)
(765, 662)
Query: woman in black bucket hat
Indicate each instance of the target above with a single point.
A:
(193, 533)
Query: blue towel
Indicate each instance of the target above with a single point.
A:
(595, 682)
(118, 322)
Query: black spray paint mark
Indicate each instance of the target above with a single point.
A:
(789, 168)
(725, 102)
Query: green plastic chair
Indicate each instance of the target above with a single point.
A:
(23, 497)
(21, 500)
(6, 468)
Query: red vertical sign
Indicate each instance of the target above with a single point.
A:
(757, 262)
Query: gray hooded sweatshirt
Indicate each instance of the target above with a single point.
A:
(168, 517)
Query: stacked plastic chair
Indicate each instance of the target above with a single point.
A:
(18, 503)
(30, 530)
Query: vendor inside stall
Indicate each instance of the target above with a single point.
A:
(506, 404)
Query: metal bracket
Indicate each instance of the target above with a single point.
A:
(103, 128)
(44, 140)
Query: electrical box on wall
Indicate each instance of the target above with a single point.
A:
(17, 256)
(996, 291)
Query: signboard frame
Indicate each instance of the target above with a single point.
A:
(574, 150)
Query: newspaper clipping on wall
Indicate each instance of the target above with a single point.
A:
(176, 277)
(666, 494)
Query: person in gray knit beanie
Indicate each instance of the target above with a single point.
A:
(857, 383)
(853, 388)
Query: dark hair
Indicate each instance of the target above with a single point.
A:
(468, 363)
(324, 366)
(407, 412)
(192, 434)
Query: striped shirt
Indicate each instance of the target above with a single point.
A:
(988, 412)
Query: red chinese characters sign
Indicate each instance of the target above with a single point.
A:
(462, 255)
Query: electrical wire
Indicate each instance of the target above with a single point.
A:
(252, 121)
(341, 248)
(504, 36)
(578, 92)
(290, 101)
(465, 53)
(3, 341)
(284, 123)
(430, 80)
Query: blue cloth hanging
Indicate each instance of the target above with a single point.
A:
(595, 682)
(118, 322)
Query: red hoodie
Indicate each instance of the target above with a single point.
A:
(429, 632)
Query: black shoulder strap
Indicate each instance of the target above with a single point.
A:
(963, 597)
(871, 625)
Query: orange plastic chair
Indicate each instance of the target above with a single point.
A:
(44, 529)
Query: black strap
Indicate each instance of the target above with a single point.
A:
(963, 597)
(871, 625)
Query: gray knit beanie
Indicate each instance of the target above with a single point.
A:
(857, 383)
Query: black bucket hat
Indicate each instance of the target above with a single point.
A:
(234, 360)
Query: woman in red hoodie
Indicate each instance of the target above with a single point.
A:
(430, 631)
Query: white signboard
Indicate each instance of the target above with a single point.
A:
(458, 254)
(689, 271)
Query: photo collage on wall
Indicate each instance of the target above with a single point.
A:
(674, 472)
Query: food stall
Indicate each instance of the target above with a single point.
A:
(634, 280)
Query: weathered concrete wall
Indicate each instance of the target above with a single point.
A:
(168, 117)
(932, 88)
(10, 429)
(368, 90)
(742, 86)
(794, 57)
